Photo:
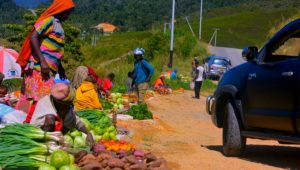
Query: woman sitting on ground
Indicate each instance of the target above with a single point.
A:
(87, 96)
(160, 82)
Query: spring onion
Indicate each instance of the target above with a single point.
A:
(31, 132)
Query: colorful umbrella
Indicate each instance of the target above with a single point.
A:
(8, 65)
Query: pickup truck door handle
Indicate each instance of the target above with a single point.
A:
(287, 74)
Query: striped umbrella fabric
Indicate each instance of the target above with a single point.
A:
(8, 65)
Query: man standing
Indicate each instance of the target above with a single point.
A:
(198, 78)
(142, 74)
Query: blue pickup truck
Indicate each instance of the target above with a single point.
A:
(261, 98)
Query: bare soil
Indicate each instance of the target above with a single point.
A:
(184, 135)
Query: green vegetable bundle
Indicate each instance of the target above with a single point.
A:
(119, 89)
(95, 117)
(140, 112)
(25, 146)
(106, 104)
(99, 124)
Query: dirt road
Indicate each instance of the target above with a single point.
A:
(185, 136)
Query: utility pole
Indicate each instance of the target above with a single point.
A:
(188, 22)
(172, 35)
(214, 36)
(200, 24)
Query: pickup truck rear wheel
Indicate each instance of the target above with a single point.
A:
(233, 142)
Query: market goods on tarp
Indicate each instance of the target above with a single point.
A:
(140, 112)
(60, 160)
(106, 104)
(119, 89)
(118, 160)
(116, 146)
(31, 132)
(149, 94)
(98, 123)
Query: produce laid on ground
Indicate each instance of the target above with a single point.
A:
(60, 160)
(98, 123)
(117, 146)
(140, 112)
(149, 94)
(25, 146)
(163, 91)
(121, 160)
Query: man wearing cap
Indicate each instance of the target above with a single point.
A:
(54, 112)
(142, 74)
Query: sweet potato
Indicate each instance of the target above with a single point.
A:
(90, 165)
(139, 166)
(104, 163)
(131, 159)
(105, 156)
(115, 163)
(116, 169)
(80, 155)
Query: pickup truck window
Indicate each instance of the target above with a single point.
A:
(290, 48)
(286, 49)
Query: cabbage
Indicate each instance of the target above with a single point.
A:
(75, 133)
(99, 131)
(86, 123)
(69, 140)
(98, 138)
(111, 129)
(106, 136)
(119, 101)
(59, 158)
(72, 159)
(69, 167)
(46, 167)
(121, 107)
(79, 142)
(116, 106)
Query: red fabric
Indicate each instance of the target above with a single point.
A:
(30, 113)
(58, 124)
(93, 73)
(107, 85)
(158, 83)
(57, 7)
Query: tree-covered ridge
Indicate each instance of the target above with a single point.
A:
(131, 15)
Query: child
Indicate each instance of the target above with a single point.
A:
(128, 82)
(107, 83)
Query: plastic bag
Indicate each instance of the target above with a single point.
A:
(192, 85)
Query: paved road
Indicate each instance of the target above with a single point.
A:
(234, 54)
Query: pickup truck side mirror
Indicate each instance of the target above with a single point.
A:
(250, 53)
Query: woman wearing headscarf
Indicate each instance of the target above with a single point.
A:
(43, 50)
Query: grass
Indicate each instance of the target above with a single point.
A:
(243, 28)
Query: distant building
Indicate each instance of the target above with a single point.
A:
(107, 28)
